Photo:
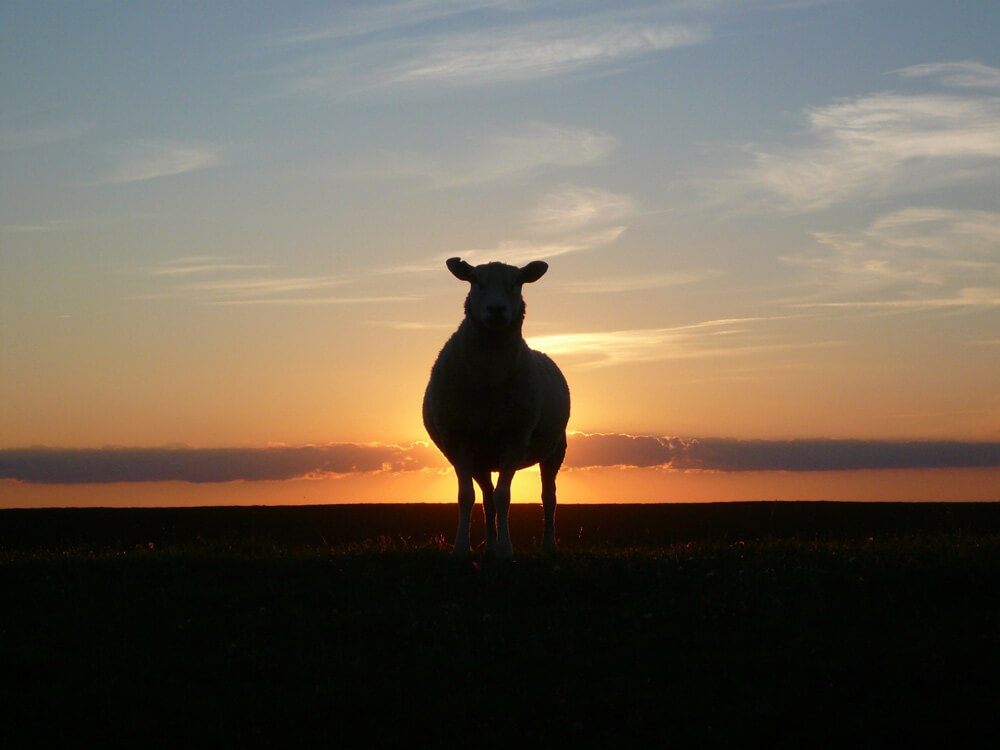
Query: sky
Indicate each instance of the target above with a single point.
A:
(772, 226)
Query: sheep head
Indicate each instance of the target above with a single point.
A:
(494, 303)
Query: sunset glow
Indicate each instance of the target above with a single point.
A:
(772, 231)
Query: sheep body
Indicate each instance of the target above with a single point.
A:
(494, 405)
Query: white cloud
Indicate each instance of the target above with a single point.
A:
(571, 219)
(912, 258)
(262, 286)
(965, 74)
(520, 151)
(972, 297)
(217, 281)
(412, 325)
(713, 338)
(372, 47)
(201, 265)
(513, 252)
(312, 301)
(43, 135)
(642, 281)
(149, 160)
(539, 144)
(517, 252)
(362, 19)
(77, 223)
(538, 50)
(572, 208)
(877, 145)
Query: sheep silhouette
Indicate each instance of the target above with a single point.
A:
(494, 405)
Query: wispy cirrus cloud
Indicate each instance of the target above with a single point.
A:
(512, 252)
(200, 264)
(501, 156)
(911, 259)
(364, 19)
(539, 50)
(221, 282)
(262, 286)
(878, 145)
(571, 208)
(572, 219)
(708, 339)
(77, 223)
(965, 74)
(517, 252)
(639, 282)
(316, 301)
(43, 134)
(971, 297)
(150, 160)
(413, 44)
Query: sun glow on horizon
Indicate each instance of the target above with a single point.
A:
(598, 485)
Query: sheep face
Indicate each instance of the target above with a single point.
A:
(494, 302)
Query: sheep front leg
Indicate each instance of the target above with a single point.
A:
(466, 499)
(549, 468)
(485, 482)
(501, 501)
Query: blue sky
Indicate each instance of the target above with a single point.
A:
(224, 224)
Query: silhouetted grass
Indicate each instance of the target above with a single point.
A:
(241, 641)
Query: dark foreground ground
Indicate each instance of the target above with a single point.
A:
(808, 625)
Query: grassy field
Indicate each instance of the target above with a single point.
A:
(806, 624)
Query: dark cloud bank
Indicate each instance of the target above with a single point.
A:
(105, 465)
(67, 466)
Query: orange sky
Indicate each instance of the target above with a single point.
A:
(242, 245)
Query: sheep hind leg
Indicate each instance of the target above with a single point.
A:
(485, 482)
(501, 501)
(466, 499)
(549, 509)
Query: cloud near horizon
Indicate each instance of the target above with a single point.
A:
(586, 451)
(204, 465)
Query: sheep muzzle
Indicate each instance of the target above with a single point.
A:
(496, 317)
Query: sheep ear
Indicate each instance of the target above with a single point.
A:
(460, 269)
(533, 271)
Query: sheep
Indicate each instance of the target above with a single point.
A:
(494, 405)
